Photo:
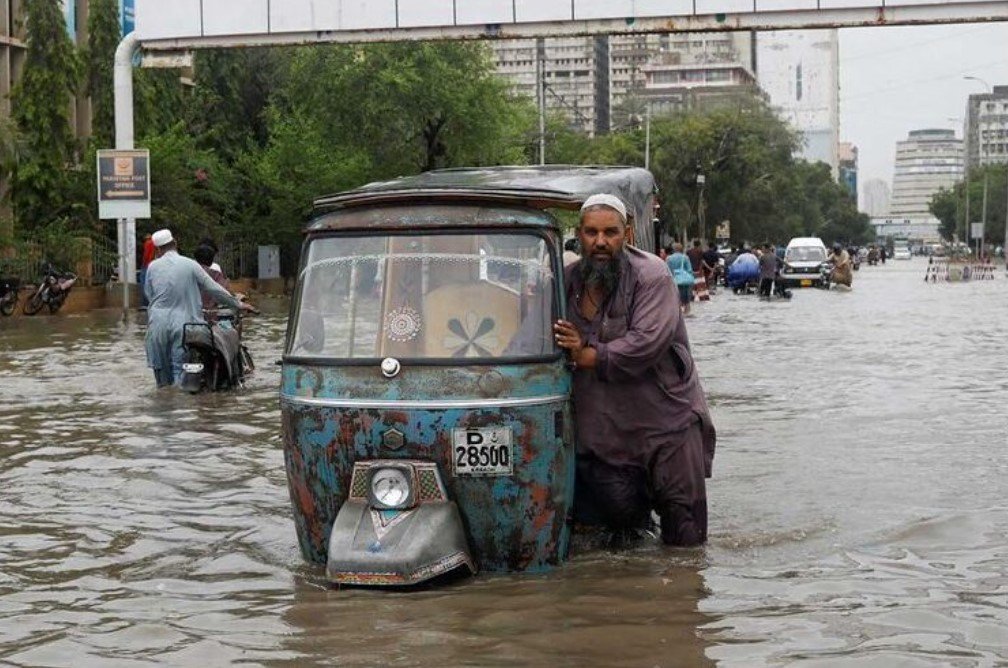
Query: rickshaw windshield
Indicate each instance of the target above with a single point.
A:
(484, 296)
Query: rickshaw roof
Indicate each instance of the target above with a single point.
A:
(539, 187)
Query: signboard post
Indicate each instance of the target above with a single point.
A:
(977, 232)
(124, 195)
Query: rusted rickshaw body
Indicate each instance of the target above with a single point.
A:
(426, 410)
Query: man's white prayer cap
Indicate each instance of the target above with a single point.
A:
(162, 237)
(611, 201)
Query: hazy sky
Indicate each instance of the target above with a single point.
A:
(893, 80)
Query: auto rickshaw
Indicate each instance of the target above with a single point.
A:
(426, 409)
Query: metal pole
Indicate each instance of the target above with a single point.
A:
(1004, 248)
(541, 95)
(983, 218)
(647, 135)
(122, 79)
(966, 221)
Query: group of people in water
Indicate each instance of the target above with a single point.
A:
(697, 272)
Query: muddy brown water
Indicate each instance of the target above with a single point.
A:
(859, 508)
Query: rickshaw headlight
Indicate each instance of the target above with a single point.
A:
(391, 488)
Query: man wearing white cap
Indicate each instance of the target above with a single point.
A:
(173, 288)
(645, 437)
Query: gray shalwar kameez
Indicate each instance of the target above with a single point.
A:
(172, 288)
(645, 437)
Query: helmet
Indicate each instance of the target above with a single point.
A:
(836, 247)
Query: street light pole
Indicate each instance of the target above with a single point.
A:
(647, 135)
(541, 96)
(701, 181)
(983, 219)
(1004, 248)
(968, 141)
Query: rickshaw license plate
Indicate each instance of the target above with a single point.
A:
(482, 451)
(806, 282)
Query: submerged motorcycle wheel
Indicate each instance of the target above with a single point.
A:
(7, 306)
(56, 302)
(33, 305)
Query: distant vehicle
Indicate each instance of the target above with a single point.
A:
(803, 261)
(901, 253)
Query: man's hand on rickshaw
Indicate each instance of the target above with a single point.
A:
(567, 336)
(248, 308)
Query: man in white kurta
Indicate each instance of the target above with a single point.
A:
(172, 287)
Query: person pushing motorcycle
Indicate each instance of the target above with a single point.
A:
(841, 273)
(172, 287)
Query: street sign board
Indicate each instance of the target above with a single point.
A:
(976, 230)
(124, 184)
(723, 230)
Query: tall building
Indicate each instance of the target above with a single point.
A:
(675, 71)
(848, 167)
(875, 198)
(575, 71)
(925, 162)
(602, 83)
(799, 69)
(987, 127)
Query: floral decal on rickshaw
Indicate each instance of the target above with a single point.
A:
(472, 339)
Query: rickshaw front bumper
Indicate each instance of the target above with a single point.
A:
(374, 542)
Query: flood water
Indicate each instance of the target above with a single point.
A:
(858, 511)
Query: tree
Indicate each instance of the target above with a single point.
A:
(235, 86)
(103, 38)
(410, 107)
(41, 109)
(948, 205)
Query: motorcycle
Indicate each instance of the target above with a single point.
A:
(52, 291)
(825, 276)
(9, 294)
(216, 359)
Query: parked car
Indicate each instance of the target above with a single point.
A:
(901, 253)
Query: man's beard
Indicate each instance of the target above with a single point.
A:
(601, 272)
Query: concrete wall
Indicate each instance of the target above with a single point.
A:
(86, 298)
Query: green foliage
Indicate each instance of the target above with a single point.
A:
(159, 101)
(410, 107)
(41, 109)
(300, 163)
(228, 105)
(99, 56)
(745, 155)
(193, 192)
(948, 205)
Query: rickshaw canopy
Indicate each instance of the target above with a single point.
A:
(540, 187)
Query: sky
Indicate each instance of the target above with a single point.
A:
(897, 79)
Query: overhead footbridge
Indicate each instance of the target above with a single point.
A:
(193, 24)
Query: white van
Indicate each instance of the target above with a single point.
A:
(803, 261)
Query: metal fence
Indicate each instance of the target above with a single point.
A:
(92, 258)
(239, 258)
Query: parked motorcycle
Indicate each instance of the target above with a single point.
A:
(216, 359)
(52, 291)
(9, 294)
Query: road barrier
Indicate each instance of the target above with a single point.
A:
(957, 272)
